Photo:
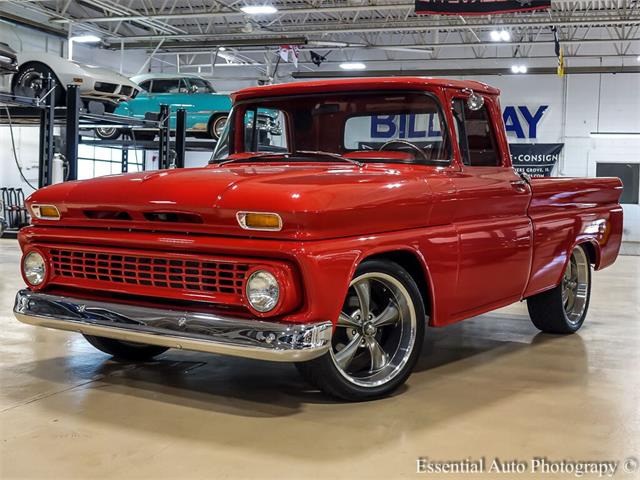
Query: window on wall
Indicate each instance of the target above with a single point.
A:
(96, 161)
(629, 173)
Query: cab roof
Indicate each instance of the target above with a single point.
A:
(383, 83)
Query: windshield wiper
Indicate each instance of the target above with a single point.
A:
(257, 156)
(333, 156)
(290, 156)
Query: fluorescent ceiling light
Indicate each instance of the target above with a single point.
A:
(259, 9)
(222, 49)
(500, 35)
(86, 39)
(518, 69)
(615, 134)
(353, 66)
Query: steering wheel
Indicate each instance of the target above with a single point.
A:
(413, 146)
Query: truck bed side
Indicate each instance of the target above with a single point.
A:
(568, 211)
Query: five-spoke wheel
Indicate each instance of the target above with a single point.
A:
(377, 338)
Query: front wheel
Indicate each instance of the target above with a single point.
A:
(128, 351)
(29, 81)
(378, 336)
(564, 308)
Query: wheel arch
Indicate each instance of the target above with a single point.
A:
(591, 248)
(29, 63)
(413, 262)
(214, 116)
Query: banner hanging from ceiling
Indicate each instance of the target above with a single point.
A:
(535, 159)
(478, 7)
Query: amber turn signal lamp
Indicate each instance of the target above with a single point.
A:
(259, 221)
(45, 212)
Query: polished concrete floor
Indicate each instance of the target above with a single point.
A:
(488, 387)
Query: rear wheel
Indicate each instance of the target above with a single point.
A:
(29, 81)
(130, 351)
(216, 126)
(564, 308)
(111, 133)
(378, 336)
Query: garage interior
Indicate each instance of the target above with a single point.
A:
(490, 387)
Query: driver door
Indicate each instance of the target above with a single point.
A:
(494, 231)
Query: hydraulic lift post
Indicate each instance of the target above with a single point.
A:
(181, 133)
(163, 160)
(47, 112)
(72, 130)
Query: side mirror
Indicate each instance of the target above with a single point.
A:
(474, 101)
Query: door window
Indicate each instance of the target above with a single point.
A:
(202, 85)
(476, 138)
(166, 85)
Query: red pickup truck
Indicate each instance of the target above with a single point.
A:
(375, 208)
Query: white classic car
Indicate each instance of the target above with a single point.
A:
(8, 60)
(96, 83)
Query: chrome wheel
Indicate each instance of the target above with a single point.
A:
(575, 286)
(376, 331)
(107, 133)
(218, 126)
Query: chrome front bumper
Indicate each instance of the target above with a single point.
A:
(204, 332)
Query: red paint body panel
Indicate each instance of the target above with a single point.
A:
(480, 236)
(361, 84)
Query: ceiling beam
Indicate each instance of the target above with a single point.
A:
(389, 27)
(176, 46)
(228, 13)
(455, 72)
(25, 22)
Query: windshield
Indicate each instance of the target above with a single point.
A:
(369, 127)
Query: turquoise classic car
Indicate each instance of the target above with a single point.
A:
(207, 111)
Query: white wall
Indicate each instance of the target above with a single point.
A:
(594, 103)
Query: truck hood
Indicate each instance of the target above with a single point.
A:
(315, 200)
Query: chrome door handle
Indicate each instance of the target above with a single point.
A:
(519, 185)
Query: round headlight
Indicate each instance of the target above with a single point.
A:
(34, 268)
(263, 291)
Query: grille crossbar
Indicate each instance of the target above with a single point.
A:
(147, 270)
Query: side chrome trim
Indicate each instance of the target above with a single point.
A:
(199, 331)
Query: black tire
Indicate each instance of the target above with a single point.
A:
(324, 373)
(129, 351)
(29, 81)
(143, 136)
(108, 133)
(558, 310)
(216, 124)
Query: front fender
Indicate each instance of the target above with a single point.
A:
(124, 109)
(328, 266)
